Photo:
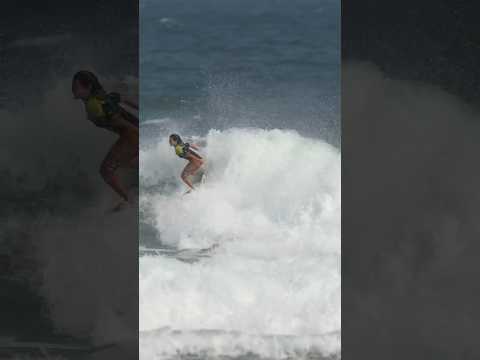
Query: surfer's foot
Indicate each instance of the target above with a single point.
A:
(123, 204)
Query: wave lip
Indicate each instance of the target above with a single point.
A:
(165, 344)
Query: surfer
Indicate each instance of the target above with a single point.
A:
(195, 161)
(105, 111)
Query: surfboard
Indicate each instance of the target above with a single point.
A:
(186, 255)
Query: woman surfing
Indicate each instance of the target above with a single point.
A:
(104, 111)
(194, 168)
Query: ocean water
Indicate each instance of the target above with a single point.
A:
(247, 266)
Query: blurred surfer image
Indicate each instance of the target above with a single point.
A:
(105, 111)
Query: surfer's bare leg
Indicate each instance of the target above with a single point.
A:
(133, 163)
(107, 171)
(188, 171)
(186, 180)
(109, 167)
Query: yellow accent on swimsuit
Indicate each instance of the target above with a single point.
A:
(180, 150)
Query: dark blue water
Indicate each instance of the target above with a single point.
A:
(221, 64)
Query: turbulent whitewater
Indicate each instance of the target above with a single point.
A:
(269, 217)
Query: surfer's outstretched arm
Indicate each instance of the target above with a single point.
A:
(122, 124)
(193, 146)
(130, 103)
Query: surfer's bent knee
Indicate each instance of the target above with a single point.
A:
(107, 171)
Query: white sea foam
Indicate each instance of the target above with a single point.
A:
(271, 206)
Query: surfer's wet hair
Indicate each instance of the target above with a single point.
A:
(87, 78)
(176, 138)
